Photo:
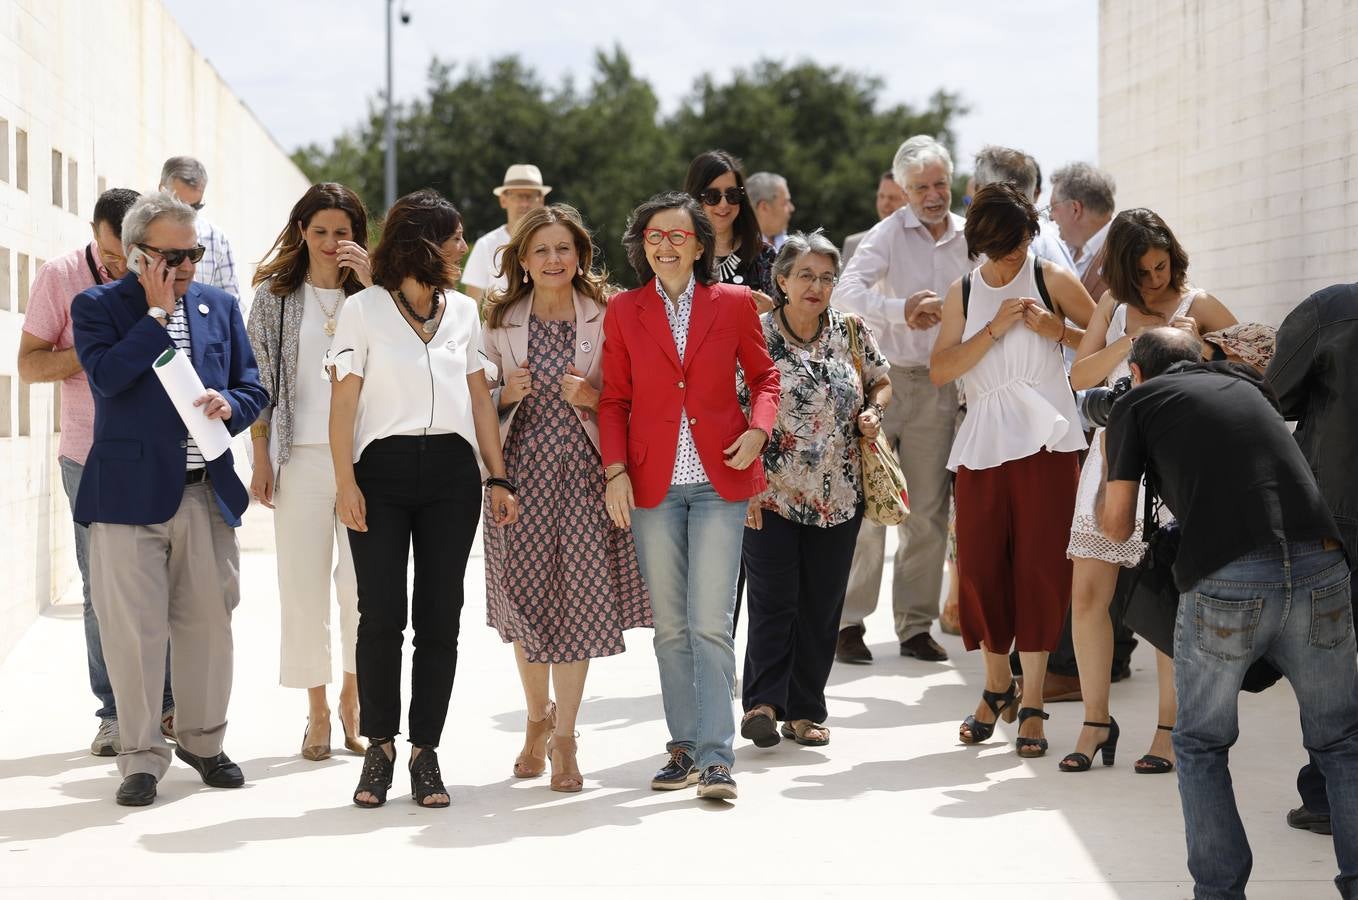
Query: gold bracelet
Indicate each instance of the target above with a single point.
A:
(259, 430)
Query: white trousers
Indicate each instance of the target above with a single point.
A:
(306, 532)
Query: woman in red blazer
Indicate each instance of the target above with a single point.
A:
(682, 459)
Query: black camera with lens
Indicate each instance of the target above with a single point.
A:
(1098, 402)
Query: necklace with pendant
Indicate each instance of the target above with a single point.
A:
(726, 269)
(330, 314)
(427, 323)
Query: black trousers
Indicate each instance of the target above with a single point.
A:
(797, 575)
(422, 493)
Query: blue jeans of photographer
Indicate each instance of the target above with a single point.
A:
(1289, 604)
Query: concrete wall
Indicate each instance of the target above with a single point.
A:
(1236, 121)
(114, 88)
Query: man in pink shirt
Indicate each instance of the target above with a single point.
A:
(46, 353)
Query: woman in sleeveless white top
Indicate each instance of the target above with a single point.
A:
(1143, 259)
(1016, 456)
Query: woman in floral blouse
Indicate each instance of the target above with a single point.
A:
(800, 532)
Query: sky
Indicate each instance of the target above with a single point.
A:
(1028, 71)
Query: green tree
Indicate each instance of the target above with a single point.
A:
(606, 148)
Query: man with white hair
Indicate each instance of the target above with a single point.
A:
(772, 202)
(917, 253)
(164, 562)
(186, 178)
(1082, 207)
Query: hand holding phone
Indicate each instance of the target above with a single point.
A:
(156, 278)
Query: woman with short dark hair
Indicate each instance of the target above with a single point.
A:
(741, 256)
(316, 263)
(409, 411)
(1147, 273)
(1016, 455)
(682, 458)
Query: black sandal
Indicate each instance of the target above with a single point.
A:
(378, 771)
(426, 780)
(981, 731)
(1078, 762)
(1031, 748)
(1150, 764)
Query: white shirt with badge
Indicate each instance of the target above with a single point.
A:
(485, 260)
(409, 387)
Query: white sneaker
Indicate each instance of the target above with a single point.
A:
(106, 741)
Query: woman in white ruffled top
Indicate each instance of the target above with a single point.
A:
(1147, 273)
(1016, 455)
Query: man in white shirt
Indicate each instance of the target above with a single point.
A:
(917, 253)
(1082, 207)
(772, 202)
(521, 193)
(890, 198)
(186, 178)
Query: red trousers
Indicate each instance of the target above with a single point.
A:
(1013, 525)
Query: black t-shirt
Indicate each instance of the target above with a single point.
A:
(1222, 460)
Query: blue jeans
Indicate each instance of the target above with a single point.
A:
(1288, 604)
(688, 548)
(94, 648)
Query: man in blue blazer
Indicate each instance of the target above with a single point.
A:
(164, 563)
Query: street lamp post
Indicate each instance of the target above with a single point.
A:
(389, 180)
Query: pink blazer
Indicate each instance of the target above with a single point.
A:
(507, 348)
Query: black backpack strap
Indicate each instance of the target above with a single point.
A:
(966, 293)
(1042, 284)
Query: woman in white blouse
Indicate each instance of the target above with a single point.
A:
(320, 258)
(1016, 455)
(409, 411)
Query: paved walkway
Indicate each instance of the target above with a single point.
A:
(893, 807)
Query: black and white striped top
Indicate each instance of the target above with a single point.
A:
(178, 327)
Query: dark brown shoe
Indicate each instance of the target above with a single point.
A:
(923, 646)
(850, 647)
(1060, 688)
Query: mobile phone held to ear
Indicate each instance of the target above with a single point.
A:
(137, 260)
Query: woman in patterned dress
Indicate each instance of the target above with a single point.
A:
(563, 585)
(800, 533)
(1147, 274)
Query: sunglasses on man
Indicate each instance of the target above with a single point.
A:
(176, 257)
(713, 196)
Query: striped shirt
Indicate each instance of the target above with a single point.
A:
(178, 327)
(218, 266)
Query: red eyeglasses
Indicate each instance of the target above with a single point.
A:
(677, 237)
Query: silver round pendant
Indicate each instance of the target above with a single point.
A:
(739, 279)
(429, 327)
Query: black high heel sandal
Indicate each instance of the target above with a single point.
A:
(973, 731)
(378, 771)
(1031, 748)
(1078, 762)
(426, 780)
(1150, 764)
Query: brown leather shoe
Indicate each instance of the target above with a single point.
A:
(923, 646)
(850, 647)
(1060, 688)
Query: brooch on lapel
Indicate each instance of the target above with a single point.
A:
(202, 308)
(586, 346)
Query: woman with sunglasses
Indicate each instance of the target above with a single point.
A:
(316, 263)
(800, 532)
(681, 460)
(742, 257)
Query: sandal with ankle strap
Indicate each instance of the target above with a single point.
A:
(426, 780)
(1031, 748)
(1078, 762)
(566, 777)
(378, 771)
(974, 731)
(531, 763)
(1150, 764)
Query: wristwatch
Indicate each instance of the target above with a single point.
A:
(158, 314)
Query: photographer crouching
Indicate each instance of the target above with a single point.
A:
(1261, 575)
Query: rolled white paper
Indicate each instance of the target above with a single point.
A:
(183, 386)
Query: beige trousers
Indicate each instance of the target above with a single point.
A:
(920, 423)
(177, 581)
(307, 533)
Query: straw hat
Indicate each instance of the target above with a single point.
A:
(522, 176)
